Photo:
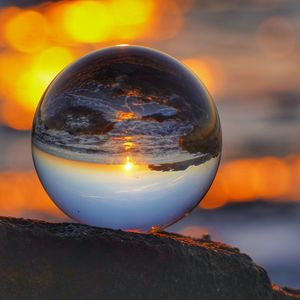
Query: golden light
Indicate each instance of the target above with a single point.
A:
(131, 11)
(218, 194)
(128, 166)
(275, 177)
(6, 14)
(88, 21)
(51, 61)
(33, 81)
(127, 145)
(209, 70)
(13, 112)
(255, 179)
(168, 20)
(130, 17)
(10, 116)
(125, 115)
(37, 42)
(28, 197)
(27, 31)
(10, 64)
(55, 13)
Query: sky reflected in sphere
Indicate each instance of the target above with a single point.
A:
(126, 138)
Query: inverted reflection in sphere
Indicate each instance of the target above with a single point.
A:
(126, 137)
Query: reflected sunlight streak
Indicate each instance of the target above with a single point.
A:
(128, 166)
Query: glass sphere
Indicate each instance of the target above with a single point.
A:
(126, 138)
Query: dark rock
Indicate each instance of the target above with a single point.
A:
(40, 260)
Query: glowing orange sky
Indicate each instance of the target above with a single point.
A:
(38, 42)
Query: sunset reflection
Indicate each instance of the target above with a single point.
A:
(128, 196)
(232, 184)
(127, 145)
(128, 166)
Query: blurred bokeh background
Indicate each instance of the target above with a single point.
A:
(245, 52)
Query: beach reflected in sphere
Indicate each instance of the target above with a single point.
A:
(126, 138)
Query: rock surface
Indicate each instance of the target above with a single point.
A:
(40, 260)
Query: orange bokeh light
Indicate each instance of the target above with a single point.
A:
(6, 14)
(253, 179)
(25, 79)
(34, 80)
(131, 18)
(131, 11)
(209, 70)
(167, 20)
(87, 21)
(39, 41)
(28, 197)
(27, 31)
(16, 117)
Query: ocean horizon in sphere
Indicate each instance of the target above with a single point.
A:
(126, 138)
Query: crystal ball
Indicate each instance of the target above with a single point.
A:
(126, 138)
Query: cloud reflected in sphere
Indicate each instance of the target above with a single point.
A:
(126, 138)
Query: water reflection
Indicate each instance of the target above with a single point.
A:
(126, 196)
